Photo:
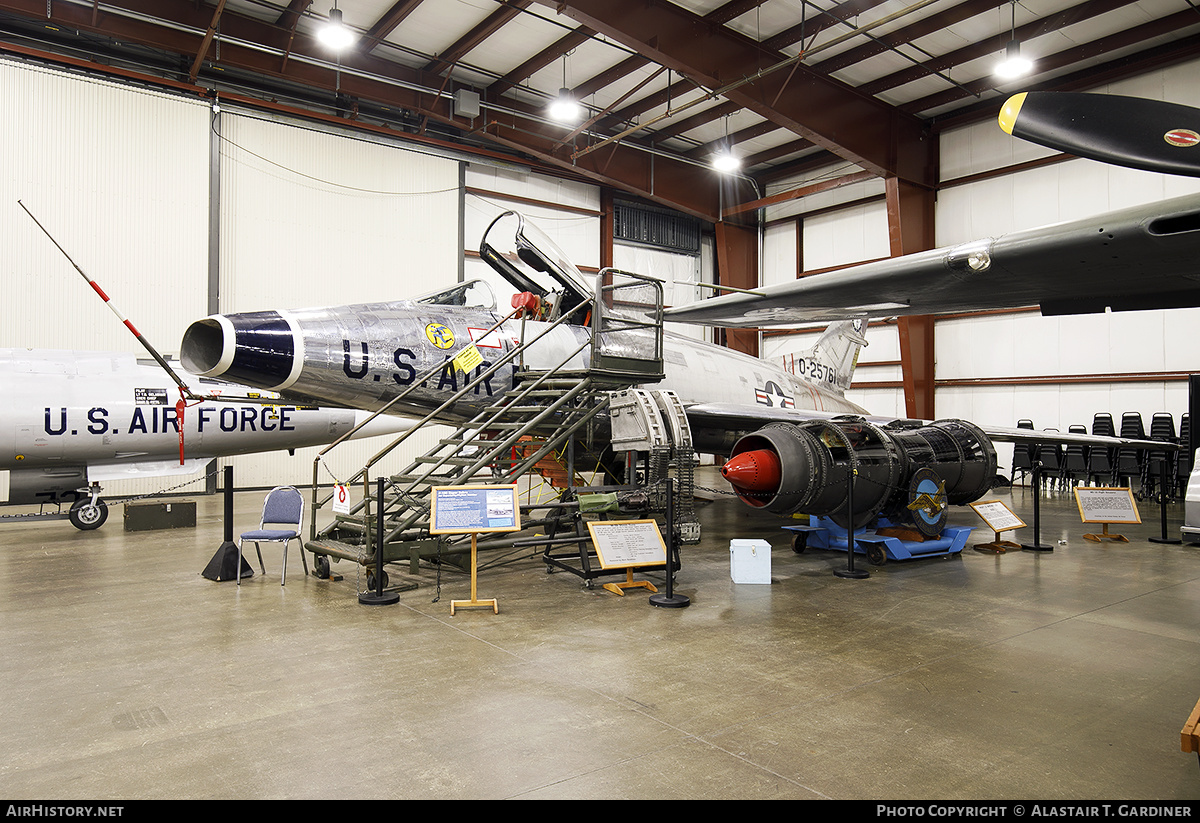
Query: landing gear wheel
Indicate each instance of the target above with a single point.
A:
(876, 554)
(85, 515)
(800, 542)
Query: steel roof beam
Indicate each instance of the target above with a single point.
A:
(655, 176)
(863, 130)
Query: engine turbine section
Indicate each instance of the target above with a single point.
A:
(806, 468)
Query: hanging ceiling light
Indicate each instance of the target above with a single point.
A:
(1013, 64)
(335, 34)
(725, 161)
(565, 108)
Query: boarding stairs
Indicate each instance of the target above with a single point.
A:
(544, 412)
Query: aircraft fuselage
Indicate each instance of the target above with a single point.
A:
(365, 355)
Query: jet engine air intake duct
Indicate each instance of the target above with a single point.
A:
(254, 348)
(789, 468)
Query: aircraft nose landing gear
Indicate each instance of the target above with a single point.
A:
(88, 514)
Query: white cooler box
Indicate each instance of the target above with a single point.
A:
(750, 561)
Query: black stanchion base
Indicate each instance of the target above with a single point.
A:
(852, 574)
(1036, 547)
(1170, 541)
(673, 601)
(373, 599)
(223, 563)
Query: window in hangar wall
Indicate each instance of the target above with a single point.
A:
(659, 243)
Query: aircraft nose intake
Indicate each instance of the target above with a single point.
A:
(757, 470)
(255, 348)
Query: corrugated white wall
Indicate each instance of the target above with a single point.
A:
(120, 178)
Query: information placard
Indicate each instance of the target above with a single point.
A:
(997, 515)
(1103, 504)
(628, 543)
(475, 508)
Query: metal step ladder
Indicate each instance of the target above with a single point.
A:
(550, 407)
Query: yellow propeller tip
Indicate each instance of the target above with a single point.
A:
(1010, 110)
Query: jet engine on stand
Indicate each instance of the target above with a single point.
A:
(908, 470)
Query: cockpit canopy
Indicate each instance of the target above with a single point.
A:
(530, 261)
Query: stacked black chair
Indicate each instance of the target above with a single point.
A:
(1075, 459)
(1100, 460)
(1130, 462)
(1022, 454)
(1162, 427)
(1183, 457)
(1051, 457)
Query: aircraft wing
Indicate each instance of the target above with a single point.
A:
(1137, 258)
(104, 472)
(1042, 437)
(736, 416)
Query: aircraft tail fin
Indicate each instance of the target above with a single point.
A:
(834, 356)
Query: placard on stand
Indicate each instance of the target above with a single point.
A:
(628, 544)
(474, 509)
(999, 518)
(1105, 504)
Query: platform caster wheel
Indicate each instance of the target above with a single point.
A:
(371, 581)
(85, 516)
(321, 567)
(800, 542)
(876, 555)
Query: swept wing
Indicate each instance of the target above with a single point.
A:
(1144, 257)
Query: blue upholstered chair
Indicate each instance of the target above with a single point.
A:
(282, 513)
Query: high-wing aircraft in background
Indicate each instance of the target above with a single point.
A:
(792, 436)
(73, 419)
(1144, 257)
(1151, 135)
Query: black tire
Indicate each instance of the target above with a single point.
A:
(85, 516)
(800, 542)
(876, 554)
(321, 567)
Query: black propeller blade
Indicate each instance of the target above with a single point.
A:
(1126, 131)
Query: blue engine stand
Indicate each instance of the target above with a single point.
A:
(823, 533)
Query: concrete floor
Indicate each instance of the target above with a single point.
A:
(1062, 675)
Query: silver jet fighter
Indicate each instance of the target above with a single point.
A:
(73, 419)
(792, 436)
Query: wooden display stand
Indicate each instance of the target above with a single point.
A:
(472, 510)
(999, 519)
(628, 544)
(1104, 504)
(1189, 736)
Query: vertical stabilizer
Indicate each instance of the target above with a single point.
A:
(834, 356)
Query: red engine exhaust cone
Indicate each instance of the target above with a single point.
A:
(753, 471)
